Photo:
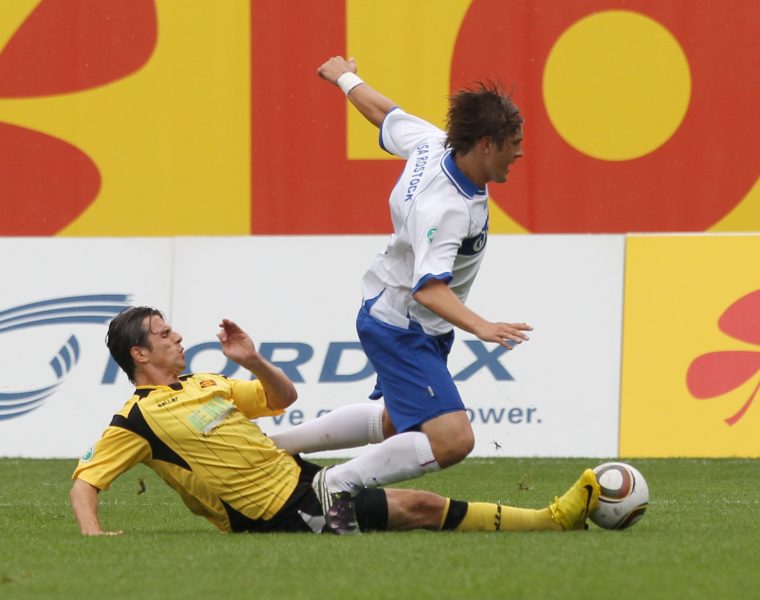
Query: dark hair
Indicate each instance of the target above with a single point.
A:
(126, 331)
(481, 112)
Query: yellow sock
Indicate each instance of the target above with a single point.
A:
(527, 519)
(485, 516)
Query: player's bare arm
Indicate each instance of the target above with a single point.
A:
(435, 295)
(370, 103)
(238, 346)
(84, 502)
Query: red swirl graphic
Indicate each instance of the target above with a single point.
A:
(63, 46)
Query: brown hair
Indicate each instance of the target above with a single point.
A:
(126, 331)
(484, 111)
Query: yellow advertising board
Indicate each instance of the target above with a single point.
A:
(691, 347)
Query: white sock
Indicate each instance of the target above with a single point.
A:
(401, 457)
(345, 427)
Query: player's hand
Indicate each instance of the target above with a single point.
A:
(237, 345)
(335, 67)
(504, 334)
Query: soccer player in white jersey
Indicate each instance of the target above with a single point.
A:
(414, 292)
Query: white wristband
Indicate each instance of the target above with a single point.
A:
(348, 81)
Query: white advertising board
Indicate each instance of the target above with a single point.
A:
(55, 304)
(556, 395)
(563, 398)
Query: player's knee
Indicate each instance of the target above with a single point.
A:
(455, 449)
(464, 446)
(451, 437)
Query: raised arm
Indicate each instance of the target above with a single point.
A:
(84, 502)
(238, 346)
(370, 103)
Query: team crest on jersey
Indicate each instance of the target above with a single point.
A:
(430, 234)
(207, 383)
(87, 456)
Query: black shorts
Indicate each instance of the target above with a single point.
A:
(302, 512)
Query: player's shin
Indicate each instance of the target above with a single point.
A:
(345, 427)
(486, 516)
(399, 458)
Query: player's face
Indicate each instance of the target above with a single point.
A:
(498, 160)
(164, 350)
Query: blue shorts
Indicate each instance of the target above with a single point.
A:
(411, 368)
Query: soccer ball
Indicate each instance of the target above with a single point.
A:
(623, 496)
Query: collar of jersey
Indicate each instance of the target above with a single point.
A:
(465, 186)
(142, 391)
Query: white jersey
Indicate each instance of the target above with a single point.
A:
(440, 226)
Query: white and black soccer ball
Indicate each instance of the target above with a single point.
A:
(623, 497)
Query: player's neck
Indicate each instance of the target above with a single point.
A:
(470, 167)
(151, 376)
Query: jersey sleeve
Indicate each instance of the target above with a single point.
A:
(437, 232)
(117, 451)
(250, 398)
(401, 133)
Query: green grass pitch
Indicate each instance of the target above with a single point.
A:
(700, 538)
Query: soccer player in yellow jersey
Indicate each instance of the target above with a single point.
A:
(196, 432)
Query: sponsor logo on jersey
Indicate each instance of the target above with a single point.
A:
(474, 245)
(207, 383)
(430, 234)
(167, 402)
(210, 414)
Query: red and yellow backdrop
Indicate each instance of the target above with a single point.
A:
(194, 117)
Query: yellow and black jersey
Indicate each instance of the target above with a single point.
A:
(196, 434)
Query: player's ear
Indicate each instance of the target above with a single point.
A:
(486, 144)
(139, 354)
